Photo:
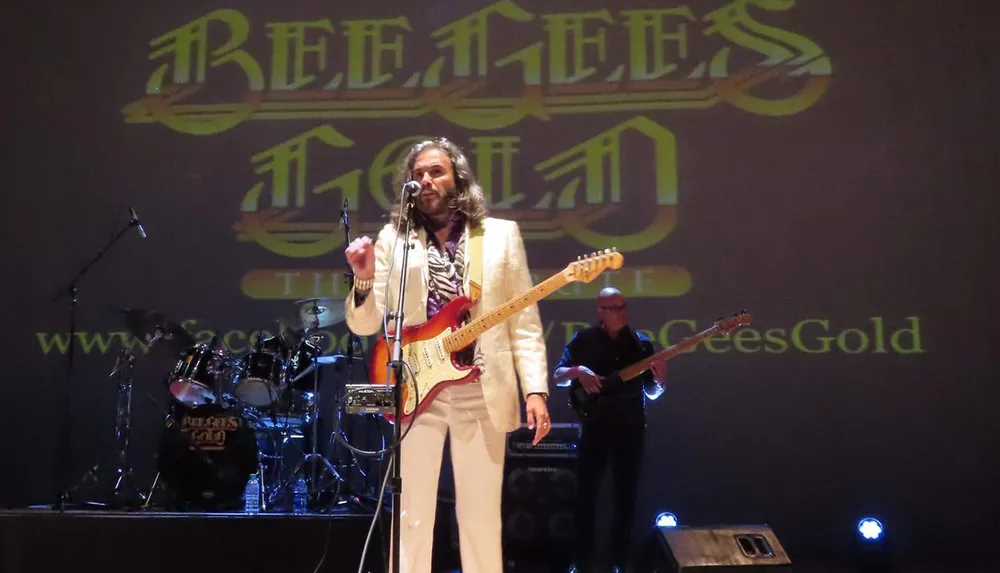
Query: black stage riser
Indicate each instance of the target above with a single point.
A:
(43, 542)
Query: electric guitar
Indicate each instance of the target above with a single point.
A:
(429, 349)
(591, 407)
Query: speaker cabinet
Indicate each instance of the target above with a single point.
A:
(738, 549)
(539, 493)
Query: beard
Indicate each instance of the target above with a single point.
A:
(435, 208)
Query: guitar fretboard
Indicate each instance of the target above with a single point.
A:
(638, 368)
(470, 332)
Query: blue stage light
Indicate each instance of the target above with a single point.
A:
(870, 529)
(666, 519)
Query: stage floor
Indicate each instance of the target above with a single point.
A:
(44, 541)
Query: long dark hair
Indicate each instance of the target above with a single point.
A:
(468, 196)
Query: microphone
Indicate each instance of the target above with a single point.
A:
(411, 188)
(343, 215)
(136, 222)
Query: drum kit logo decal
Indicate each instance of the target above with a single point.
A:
(208, 434)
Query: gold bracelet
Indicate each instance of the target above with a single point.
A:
(363, 284)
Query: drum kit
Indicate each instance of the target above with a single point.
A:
(230, 416)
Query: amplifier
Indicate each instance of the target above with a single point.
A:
(563, 441)
(369, 399)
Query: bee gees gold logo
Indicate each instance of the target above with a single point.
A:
(208, 433)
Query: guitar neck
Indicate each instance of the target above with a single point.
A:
(630, 372)
(470, 332)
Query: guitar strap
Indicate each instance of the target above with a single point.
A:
(474, 263)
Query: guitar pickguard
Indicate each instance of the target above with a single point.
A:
(430, 370)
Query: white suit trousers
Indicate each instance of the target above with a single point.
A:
(477, 454)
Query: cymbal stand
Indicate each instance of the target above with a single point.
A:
(125, 491)
(125, 486)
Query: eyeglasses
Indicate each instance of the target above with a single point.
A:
(618, 308)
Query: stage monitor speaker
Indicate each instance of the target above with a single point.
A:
(737, 549)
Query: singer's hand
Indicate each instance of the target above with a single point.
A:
(361, 256)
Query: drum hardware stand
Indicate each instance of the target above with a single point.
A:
(156, 480)
(314, 457)
(71, 290)
(279, 436)
(152, 488)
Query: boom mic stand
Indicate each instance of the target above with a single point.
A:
(394, 370)
(353, 341)
(71, 290)
(349, 279)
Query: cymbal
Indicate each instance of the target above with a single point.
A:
(152, 327)
(319, 312)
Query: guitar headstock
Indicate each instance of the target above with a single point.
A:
(737, 320)
(587, 267)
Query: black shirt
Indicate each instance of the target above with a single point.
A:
(594, 348)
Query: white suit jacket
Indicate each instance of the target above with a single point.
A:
(516, 345)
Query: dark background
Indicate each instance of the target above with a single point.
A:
(879, 200)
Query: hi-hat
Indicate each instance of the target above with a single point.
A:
(319, 312)
(152, 327)
(336, 360)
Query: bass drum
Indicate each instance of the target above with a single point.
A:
(206, 456)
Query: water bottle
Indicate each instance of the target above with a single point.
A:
(251, 497)
(299, 493)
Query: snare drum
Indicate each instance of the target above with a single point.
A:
(294, 409)
(195, 378)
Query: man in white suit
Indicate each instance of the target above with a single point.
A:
(448, 206)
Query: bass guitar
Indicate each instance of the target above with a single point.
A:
(429, 349)
(592, 407)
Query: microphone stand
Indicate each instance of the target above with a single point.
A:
(349, 279)
(394, 370)
(352, 341)
(71, 290)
